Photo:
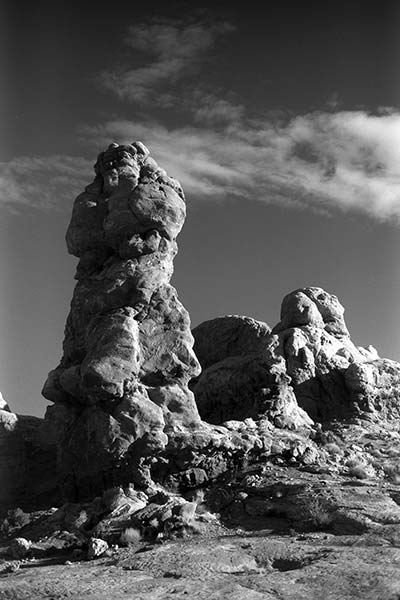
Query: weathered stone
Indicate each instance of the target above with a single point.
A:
(244, 375)
(248, 386)
(307, 363)
(96, 548)
(374, 387)
(19, 548)
(120, 505)
(315, 343)
(224, 337)
(122, 385)
(312, 306)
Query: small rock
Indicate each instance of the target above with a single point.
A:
(12, 567)
(96, 547)
(19, 547)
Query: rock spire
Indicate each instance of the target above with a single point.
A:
(121, 387)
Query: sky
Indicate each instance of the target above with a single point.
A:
(281, 121)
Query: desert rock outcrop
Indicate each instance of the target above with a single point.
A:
(121, 386)
(306, 363)
(241, 378)
(288, 431)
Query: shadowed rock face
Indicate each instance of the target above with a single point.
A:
(121, 386)
(27, 461)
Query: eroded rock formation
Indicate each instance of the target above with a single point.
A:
(242, 377)
(123, 411)
(294, 429)
(121, 387)
(306, 364)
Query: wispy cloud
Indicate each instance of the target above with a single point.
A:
(210, 110)
(43, 182)
(326, 161)
(346, 160)
(171, 50)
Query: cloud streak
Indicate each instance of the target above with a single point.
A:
(348, 160)
(325, 161)
(171, 51)
(43, 182)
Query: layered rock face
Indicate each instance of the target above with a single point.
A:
(307, 363)
(121, 388)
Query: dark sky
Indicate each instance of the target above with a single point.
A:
(282, 123)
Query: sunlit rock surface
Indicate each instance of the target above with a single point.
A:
(306, 364)
(122, 384)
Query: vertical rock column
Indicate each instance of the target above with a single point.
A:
(121, 389)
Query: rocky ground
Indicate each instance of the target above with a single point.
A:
(231, 564)
(281, 530)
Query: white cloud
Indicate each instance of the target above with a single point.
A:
(323, 161)
(172, 50)
(43, 182)
(346, 160)
(210, 110)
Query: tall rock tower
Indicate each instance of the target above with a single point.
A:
(121, 388)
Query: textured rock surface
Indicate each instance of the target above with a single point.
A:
(307, 361)
(374, 386)
(291, 507)
(224, 337)
(315, 343)
(299, 443)
(96, 547)
(121, 386)
(19, 547)
(278, 528)
(265, 566)
(123, 412)
(241, 378)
